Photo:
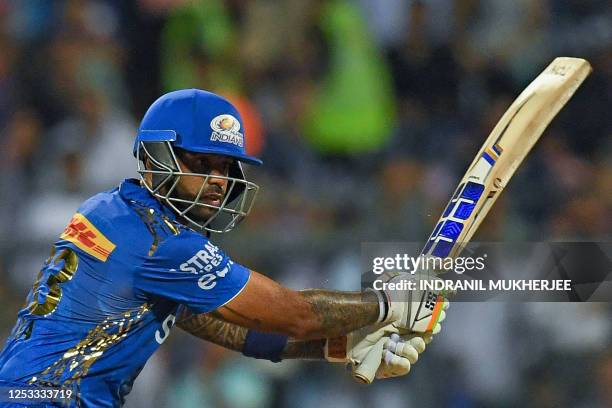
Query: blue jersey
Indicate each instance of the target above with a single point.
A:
(108, 295)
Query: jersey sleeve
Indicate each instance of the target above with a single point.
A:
(191, 271)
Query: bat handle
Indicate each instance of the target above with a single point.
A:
(365, 371)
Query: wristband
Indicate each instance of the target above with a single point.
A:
(267, 346)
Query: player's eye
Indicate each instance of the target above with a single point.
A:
(226, 167)
(198, 164)
(206, 166)
(203, 166)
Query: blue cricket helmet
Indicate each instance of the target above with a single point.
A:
(199, 122)
(196, 121)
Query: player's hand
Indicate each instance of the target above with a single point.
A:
(399, 354)
(375, 351)
(416, 311)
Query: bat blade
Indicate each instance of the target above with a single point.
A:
(505, 148)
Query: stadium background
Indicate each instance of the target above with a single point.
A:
(366, 114)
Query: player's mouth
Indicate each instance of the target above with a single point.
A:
(212, 199)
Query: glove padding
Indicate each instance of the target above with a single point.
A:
(399, 355)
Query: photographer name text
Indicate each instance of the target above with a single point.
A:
(476, 285)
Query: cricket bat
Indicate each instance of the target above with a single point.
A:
(505, 148)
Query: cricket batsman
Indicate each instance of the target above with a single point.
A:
(137, 260)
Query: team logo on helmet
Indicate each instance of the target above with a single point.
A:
(226, 128)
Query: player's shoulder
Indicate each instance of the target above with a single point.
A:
(127, 218)
(110, 212)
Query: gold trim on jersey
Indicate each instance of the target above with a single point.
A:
(158, 225)
(78, 360)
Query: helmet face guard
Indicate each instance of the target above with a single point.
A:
(166, 173)
(195, 121)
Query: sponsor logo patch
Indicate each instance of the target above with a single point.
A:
(226, 128)
(204, 263)
(84, 235)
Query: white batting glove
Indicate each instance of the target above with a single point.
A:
(375, 352)
(416, 311)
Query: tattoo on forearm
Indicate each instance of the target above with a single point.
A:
(304, 350)
(341, 312)
(209, 326)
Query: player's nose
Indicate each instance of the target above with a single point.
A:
(217, 178)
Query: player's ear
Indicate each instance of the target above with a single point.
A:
(147, 163)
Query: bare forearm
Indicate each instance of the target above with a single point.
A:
(315, 314)
(337, 313)
(266, 306)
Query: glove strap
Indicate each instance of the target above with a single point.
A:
(383, 306)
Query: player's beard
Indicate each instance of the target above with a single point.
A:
(199, 213)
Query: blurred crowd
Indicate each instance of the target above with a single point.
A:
(366, 114)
